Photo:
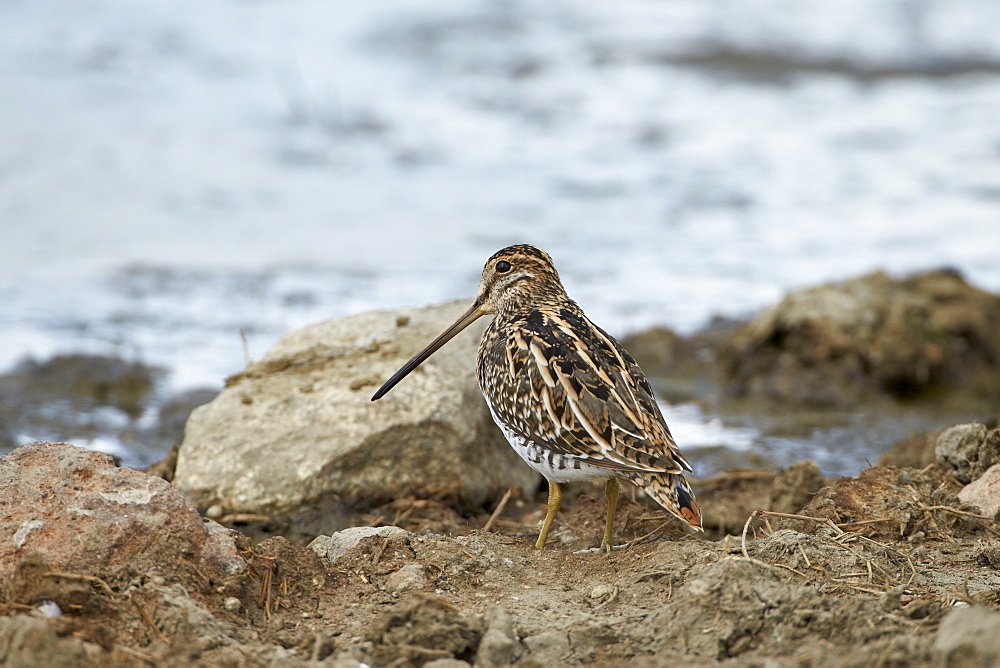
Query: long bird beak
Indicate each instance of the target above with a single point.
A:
(464, 320)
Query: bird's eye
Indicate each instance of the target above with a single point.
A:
(503, 266)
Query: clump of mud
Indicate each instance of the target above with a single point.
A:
(927, 337)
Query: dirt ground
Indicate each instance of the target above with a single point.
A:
(858, 584)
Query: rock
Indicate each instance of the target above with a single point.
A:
(495, 649)
(968, 449)
(498, 619)
(407, 578)
(343, 543)
(589, 638)
(497, 645)
(548, 648)
(984, 492)
(26, 641)
(74, 510)
(928, 336)
(86, 381)
(447, 663)
(421, 630)
(178, 614)
(299, 424)
(969, 636)
(601, 591)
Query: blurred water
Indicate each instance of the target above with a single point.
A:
(172, 173)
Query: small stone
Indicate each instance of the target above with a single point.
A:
(601, 590)
(446, 663)
(495, 649)
(984, 491)
(407, 578)
(215, 511)
(989, 557)
(49, 609)
(335, 547)
(548, 647)
(232, 604)
(498, 619)
(892, 599)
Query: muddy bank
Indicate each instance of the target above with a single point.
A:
(929, 340)
(930, 337)
(910, 581)
(119, 403)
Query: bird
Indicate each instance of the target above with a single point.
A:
(568, 397)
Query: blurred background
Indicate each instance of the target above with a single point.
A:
(174, 174)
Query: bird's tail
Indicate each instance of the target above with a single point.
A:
(672, 491)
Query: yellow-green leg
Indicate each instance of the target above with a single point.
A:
(555, 498)
(610, 491)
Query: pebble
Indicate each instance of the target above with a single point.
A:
(214, 512)
(232, 604)
(406, 578)
(49, 609)
(601, 590)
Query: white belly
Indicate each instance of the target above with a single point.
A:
(555, 467)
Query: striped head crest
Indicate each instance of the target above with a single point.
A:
(516, 276)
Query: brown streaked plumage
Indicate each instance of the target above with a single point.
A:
(570, 400)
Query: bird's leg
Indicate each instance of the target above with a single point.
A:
(555, 498)
(610, 491)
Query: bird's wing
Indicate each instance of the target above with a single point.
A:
(560, 381)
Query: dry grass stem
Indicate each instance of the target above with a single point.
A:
(499, 509)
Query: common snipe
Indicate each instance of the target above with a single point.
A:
(571, 401)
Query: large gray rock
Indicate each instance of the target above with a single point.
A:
(298, 425)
